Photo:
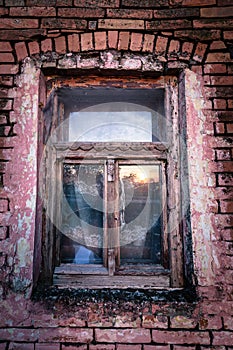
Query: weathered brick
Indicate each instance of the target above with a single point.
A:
(87, 42)
(136, 42)
(4, 11)
(60, 44)
(177, 347)
(46, 45)
(228, 322)
(180, 337)
(81, 12)
(217, 45)
(223, 338)
(123, 43)
(14, 2)
(21, 346)
(6, 104)
(229, 128)
(198, 2)
(226, 206)
(41, 2)
(220, 128)
(174, 47)
(102, 347)
(47, 346)
(176, 13)
(145, 3)
(220, 103)
(97, 3)
(112, 39)
(64, 2)
(73, 43)
(121, 335)
(148, 43)
(211, 322)
(126, 13)
(223, 154)
(21, 50)
(225, 179)
(3, 232)
(66, 23)
(217, 12)
(209, 23)
(68, 335)
(157, 347)
(215, 68)
(151, 321)
(100, 40)
(200, 52)
(228, 35)
(33, 47)
(230, 103)
(33, 11)
(22, 34)
(161, 45)
(17, 23)
(5, 47)
(6, 57)
(218, 57)
(19, 334)
(168, 24)
(222, 80)
(186, 50)
(198, 34)
(77, 347)
(128, 347)
(120, 24)
(183, 322)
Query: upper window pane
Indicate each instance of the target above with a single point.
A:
(112, 115)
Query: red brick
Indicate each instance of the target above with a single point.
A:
(215, 68)
(228, 35)
(123, 335)
(80, 12)
(230, 103)
(199, 52)
(186, 50)
(174, 47)
(33, 11)
(209, 23)
(120, 24)
(64, 2)
(136, 42)
(229, 129)
(183, 322)
(6, 57)
(223, 154)
(148, 43)
(219, 128)
(21, 50)
(226, 206)
(217, 12)
(21, 346)
(46, 45)
(112, 39)
(180, 337)
(63, 23)
(14, 2)
(123, 43)
(6, 105)
(217, 45)
(87, 42)
(75, 347)
(222, 80)
(60, 44)
(73, 43)
(223, 338)
(151, 321)
(147, 3)
(211, 322)
(102, 347)
(228, 322)
(157, 347)
(47, 346)
(198, 2)
(17, 23)
(97, 3)
(5, 46)
(100, 40)
(176, 13)
(33, 47)
(220, 103)
(4, 11)
(126, 13)
(161, 45)
(67, 335)
(128, 347)
(218, 57)
(168, 24)
(177, 347)
(19, 334)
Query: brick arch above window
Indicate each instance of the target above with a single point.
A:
(161, 50)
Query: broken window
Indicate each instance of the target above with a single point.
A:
(113, 184)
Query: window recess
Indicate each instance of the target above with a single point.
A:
(113, 186)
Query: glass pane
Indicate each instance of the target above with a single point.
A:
(112, 115)
(140, 213)
(82, 213)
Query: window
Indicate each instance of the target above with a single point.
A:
(113, 184)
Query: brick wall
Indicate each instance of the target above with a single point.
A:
(150, 36)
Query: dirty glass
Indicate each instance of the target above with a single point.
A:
(82, 213)
(141, 212)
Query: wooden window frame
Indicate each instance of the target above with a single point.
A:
(167, 154)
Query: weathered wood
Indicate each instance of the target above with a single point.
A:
(75, 269)
(122, 282)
